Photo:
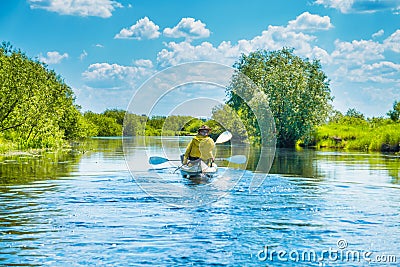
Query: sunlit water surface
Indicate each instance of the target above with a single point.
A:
(84, 208)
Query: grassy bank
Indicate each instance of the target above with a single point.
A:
(6, 145)
(364, 136)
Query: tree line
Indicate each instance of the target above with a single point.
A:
(117, 122)
(38, 108)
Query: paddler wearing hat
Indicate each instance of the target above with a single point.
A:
(200, 147)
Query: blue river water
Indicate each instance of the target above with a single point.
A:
(315, 208)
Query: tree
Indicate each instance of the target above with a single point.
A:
(36, 106)
(297, 91)
(395, 113)
(134, 125)
(104, 125)
(353, 113)
(335, 116)
(117, 114)
(353, 117)
(224, 116)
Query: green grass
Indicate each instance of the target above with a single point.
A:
(363, 136)
(6, 146)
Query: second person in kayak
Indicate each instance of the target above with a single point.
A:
(201, 147)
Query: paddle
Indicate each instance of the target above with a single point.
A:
(160, 160)
(222, 138)
(238, 159)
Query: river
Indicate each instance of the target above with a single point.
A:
(90, 207)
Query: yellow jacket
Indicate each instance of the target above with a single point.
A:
(201, 147)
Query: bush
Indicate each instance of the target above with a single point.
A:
(366, 136)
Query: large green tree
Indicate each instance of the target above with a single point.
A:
(36, 107)
(297, 91)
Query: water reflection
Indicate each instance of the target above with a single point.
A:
(23, 168)
(92, 213)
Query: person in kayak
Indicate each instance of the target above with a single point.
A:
(200, 147)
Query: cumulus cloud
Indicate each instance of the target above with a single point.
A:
(361, 6)
(274, 38)
(380, 72)
(142, 29)
(364, 62)
(357, 51)
(53, 57)
(106, 75)
(393, 42)
(188, 28)
(351, 61)
(83, 8)
(146, 63)
(176, 53)
(310, 22)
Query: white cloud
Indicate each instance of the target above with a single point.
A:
(99, 45)
(188, 28)
(378, 33)
(274, 38)
(142, 29)
(343, 5)
(379, 72)
(53, 57)
(361, 6)
(310, 22)
(393, 42)
(357, 52)
(146, 63)
(83, 8)
(176, 53)
(105, 75)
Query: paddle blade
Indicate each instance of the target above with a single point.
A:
(224, 137)
(157, 160)
(238, 159)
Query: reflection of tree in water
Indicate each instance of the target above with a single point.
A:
(23, 167)
(392, 165)
(105, 145)
(19, 193)
(288, 162)
(372, 161)
(388, 162)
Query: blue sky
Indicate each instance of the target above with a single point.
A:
(106, 49)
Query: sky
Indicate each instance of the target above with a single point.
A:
(106, 49)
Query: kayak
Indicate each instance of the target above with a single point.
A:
(198, 168)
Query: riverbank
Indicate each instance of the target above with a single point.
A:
(361, 135)
(366, 136)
